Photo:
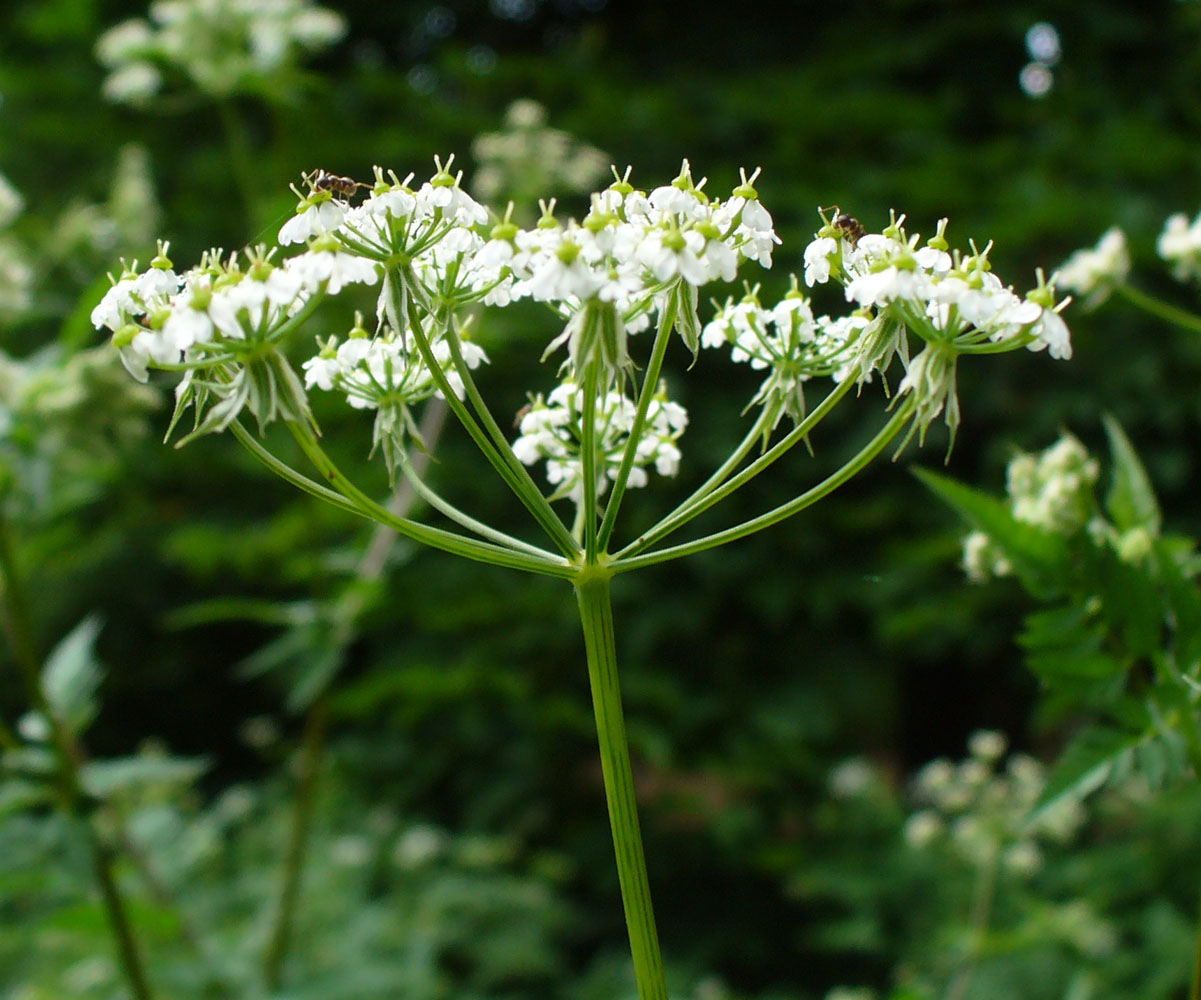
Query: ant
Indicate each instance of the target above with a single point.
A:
(848, 226)
(320, 180)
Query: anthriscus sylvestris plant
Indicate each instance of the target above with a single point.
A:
(622, 283)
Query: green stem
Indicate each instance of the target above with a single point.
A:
(356, 502)
(1194, 992)
(596, 617)
(982, 900)
(302, 818)
(623, 564)
(649, 386)
(588, 458)
(1157, 307)
(103, 862)
(375, 558)
(724, 471)
(714, 491)
(459, 517)
(492, 443)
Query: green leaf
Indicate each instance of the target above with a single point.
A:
(72, 675)
(17, 796)
(1086, 765)
(251, 609)
(1039, 558)
(1183, 600)
(103, 778)
(687, 322)
(1131, 500)
(1065, 644)
(314, 676)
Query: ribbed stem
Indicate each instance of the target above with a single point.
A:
(596, 616)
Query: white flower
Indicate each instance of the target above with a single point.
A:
(922, 828)
(332, 269)
(817, 260)
(552, 430)
(133, 83)
(1180, 245)
(316, 219)
(1094, 272)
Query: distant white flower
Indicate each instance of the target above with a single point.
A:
(1093, 273)
(1180, 245)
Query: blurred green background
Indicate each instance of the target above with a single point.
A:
(462, 708)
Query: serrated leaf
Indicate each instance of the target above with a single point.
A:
(72, 674)
(1131, 603)
(1039, 558)
(102, 778)
(1131, 499)
(1183, 603)
(1085, 766)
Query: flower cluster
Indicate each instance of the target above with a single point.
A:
(553, 429)
(16, 276)
(1180, 245)
(788, 343)
(986, 811)
(222, 321)
(528, 158)
(1096, 271)
(942, 297)
(636, 258)
(221, 46)
(386, 373)
(629, 252)
(161, 317)
(1051, 490)
(950, 300)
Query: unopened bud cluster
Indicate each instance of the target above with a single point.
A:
(982, 807)
(1053, 490)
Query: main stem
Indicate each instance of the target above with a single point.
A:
(596, 616)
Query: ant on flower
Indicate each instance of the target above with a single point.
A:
(321, 180)
(848, 226)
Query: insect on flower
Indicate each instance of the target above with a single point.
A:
(321, 180)
(851, 228)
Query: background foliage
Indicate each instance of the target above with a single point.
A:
(461, 714)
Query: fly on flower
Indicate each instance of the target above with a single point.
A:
(851, 228)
